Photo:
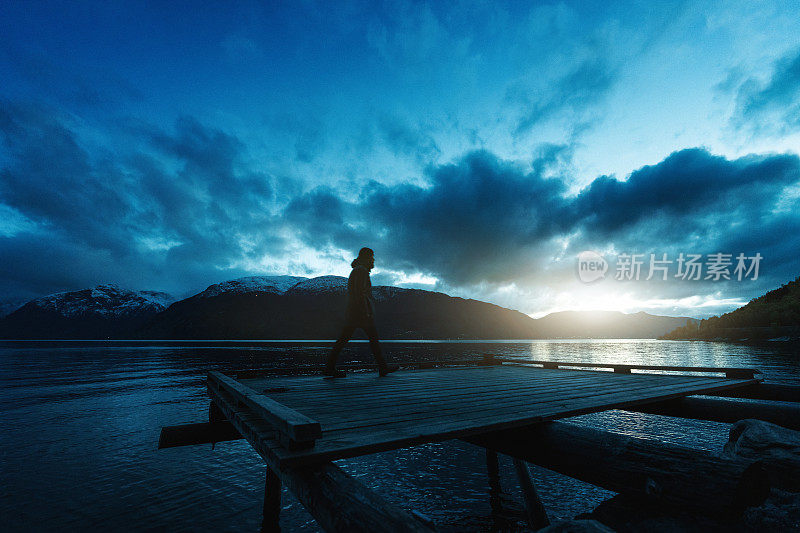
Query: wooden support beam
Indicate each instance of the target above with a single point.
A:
(534, 509)
(489, 360)
(493, 473)
(764, 391)
(297, 427)
(270, 521)
(202, 433)
(734, 373)
(723, 410)
(665, 473)
(336, 500)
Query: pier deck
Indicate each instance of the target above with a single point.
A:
(320, 420)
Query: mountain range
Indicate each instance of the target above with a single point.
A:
(293, 307)
(775, 315)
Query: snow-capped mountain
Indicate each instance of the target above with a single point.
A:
(321, 284)
(273, 284)
(103, 300)
(293, 307)
(105, 311)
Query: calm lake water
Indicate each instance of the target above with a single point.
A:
(81, 422)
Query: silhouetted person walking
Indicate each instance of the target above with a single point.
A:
(359, 314)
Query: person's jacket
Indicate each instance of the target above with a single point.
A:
(359, 295)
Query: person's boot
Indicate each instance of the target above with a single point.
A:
(388, 369)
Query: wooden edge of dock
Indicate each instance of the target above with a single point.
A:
(337, 501)
(495, 359)
(341, 503)
(619, 368)
(298, 429)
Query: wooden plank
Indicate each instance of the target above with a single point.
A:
(317, 369)
(342, 444)
(266, 379)
(463, 414)
(350, 416)
(733, 373)
(356, 382)
(297, 426)
(415, 397)
(665, 473)
(207, 433)
(374, 427)
(446, 379)
(370, 389)
(411, 396)
(336, 500)
(418, 399)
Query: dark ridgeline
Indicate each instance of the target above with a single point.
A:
(775, 314)
(286, 307)
(315, 311)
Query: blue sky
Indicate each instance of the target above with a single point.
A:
(478, 148)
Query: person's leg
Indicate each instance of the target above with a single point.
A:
(344, 337)
(375, 346)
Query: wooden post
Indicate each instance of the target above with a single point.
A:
(493, 471)
(338, 502)
(270, 522)
(661, 472)
(534, 509)
(202, 433)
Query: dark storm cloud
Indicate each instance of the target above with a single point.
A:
(181, 205)
(482, 219)
(774, 104)
(687, 183)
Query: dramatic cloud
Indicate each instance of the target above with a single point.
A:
(182, 202)
(477, 150)
(483, 220)
(772, 105)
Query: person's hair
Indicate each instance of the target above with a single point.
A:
(363, 254)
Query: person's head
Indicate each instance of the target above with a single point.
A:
(366, 258)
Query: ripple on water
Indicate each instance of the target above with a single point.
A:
(81, 425)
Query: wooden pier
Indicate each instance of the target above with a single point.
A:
(299, 424)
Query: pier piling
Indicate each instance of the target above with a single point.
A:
(270, 522)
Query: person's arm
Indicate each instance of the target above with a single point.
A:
(362, 286)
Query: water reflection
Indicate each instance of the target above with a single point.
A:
(81, 423)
